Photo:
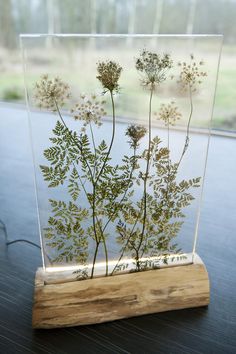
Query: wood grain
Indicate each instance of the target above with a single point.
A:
(121, 296)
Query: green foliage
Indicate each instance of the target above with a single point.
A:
(65, 232)
(72, 163)
(145, 226)
(73, 186)
(166, 200)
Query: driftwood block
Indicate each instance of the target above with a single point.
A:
(105, 299)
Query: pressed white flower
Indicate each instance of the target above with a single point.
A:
(153, 67)
(51, 93)
(191, 75)
(89, 109)
(168, 113)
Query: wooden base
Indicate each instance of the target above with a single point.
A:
(111, 298)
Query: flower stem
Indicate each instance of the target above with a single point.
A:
(94, 173)
(97, 179)
(94, 260)
(125, 192)
(146, 178)
(94, 217)
(94, 147)
(124, 195)
(127, 242)
(112, 138)
(144, 198)
(102, 237)
(188, 127)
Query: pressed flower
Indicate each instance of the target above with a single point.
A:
(153, 67)
(135, 133)
(89, 109)
(190, 75)
(51, 93)
(109, 74)
(169, 113)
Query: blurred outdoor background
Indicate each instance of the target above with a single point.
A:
(119, 16)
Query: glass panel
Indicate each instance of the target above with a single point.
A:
(120, 133)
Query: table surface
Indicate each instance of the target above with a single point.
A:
(201, 330)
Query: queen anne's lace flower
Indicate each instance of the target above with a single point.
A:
(51, 93)
(169, 113)
(109, 75)
(89, 109)
(153, 67)
(135, 133)
(191, 75)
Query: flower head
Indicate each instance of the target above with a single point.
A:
(169, 113)
(109, 75)
(153, 67)
(51, 93)
(190, 75)
(135, 133)
(89, 109)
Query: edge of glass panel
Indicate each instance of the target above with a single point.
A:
(32, 150)
(209, 129)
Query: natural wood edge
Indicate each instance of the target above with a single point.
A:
(110, 298)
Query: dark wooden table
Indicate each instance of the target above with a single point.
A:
(200, 330)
